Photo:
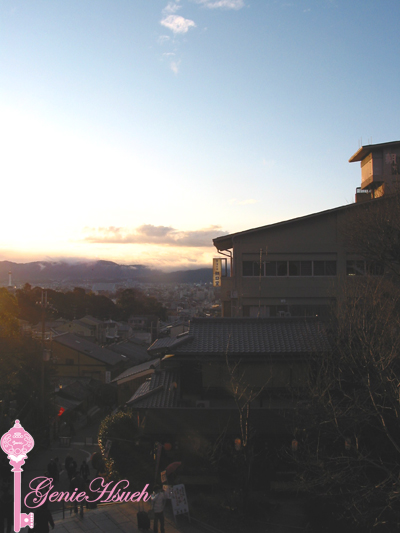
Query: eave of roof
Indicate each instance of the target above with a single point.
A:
(138, 369)
(157, 392)
(365, 150)
(168, 343)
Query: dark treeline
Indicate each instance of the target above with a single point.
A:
(77, 303)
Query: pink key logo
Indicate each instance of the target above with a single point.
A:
(16, 443)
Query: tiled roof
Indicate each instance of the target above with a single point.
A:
(249, 336)
(137, 369)
(88, 348)
(160, 345)
(159, 391)
(136, 352)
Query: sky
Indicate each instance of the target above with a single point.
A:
(137, 131)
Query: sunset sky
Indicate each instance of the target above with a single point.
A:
(138, 130)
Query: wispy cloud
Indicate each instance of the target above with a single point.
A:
(171, 7)
(150, 234)
(269, 163)
(222, 4)
(234, 201)
(175, 66)
(163, 39)
(177, 24)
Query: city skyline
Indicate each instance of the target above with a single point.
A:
(137, 132)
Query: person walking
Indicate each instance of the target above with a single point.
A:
(84, 470)
(78, 484)
(42, 520)
(6, 510)
(158, 499)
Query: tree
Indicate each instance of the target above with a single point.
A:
(20, 376)
(372, 230)
(134, 302)
(8, 314)
(350, 451)
(129, 457)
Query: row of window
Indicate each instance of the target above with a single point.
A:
(310, 268)
(266, 311)
(289, 268)
(361, 268)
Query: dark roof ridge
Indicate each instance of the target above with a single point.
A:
(294, 220)
(205, 320)
(365, 150)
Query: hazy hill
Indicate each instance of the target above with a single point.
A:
(98, 271)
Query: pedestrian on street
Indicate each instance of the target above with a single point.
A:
(6, 510)
(158, 499)
(57, 469)
(84, 470)
(77, 483)
(42, 520)
(52, 469)
(68, 461)
(72, 469)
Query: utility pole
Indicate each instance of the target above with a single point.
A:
(44, 305)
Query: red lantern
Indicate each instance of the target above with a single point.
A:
(167, 446)
(294, 445)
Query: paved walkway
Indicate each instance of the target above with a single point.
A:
(116, 518)
(113, 518)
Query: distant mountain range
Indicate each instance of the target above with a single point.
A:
(96, 271)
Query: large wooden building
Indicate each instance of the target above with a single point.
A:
(297, 267)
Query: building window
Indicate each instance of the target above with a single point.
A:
(360, 268)
(306, 268)
(374, 269)
(355, 268)
(281, 267)
(270, 268)
(324, 268)
(252, 268)
(292, 268)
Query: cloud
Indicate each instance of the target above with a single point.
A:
(175, 66)
(149, 234)
(163, 39)
(269, 163)
(171, 7)
(222, 4)
(249, 201)
(178, 24)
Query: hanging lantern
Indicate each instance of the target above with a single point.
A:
(294, 445)
(238, 444)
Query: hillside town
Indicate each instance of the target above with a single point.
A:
(275, 387)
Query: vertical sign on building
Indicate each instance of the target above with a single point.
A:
(217, 272)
